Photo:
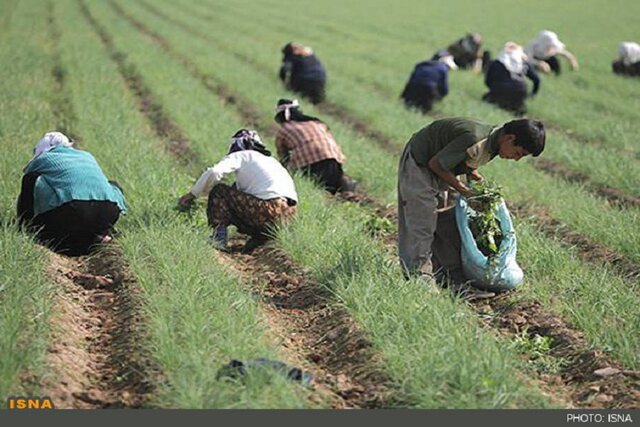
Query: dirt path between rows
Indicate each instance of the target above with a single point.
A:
(586, 389)
(95, 356)
(316, 333)
(94, 359)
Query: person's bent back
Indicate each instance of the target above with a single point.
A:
(66, 197)
(629, 61)
(306, 143)
(429, 82)
(505, 79)
(302, 72)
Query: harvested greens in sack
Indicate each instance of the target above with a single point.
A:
(488, 240)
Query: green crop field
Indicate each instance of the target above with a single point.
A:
(154, 89)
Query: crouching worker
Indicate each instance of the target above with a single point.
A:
(629, 61)
(431, 162)
(505, 79)
(66, 198)
(544, 51)
(467, 53)
(428, 83)
(263, 194)
(302, 72)
(306, 143)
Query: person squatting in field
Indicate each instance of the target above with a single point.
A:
(431, 164)
(543, 52)
(262, 196)
(428, 83)
(306, 143)
(302, 72)
(629, 61)
(505, 79)
(467, 53)
(66, 198)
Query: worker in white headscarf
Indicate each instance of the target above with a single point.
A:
(505, 79)
(544, 50)
(629, 61)
(65, 197)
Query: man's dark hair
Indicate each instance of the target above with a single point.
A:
(530, 134)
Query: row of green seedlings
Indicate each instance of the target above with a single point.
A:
(551, 182)
(25, 292)
(586, 89)
(573, 154)
(550, 279)
(593, 219)
(312, 205)
(147, 98)
(183, 335)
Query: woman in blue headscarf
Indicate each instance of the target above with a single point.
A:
(262, 196)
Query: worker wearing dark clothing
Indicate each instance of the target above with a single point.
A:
(505, 79)
(302, 72)
(428, 83)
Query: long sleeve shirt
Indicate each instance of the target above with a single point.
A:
(305, 143)
(256, 174)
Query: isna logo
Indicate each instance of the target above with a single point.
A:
(30, 403)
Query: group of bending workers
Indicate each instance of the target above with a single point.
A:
(68, 202)
(504, 76)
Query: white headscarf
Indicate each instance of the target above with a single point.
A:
(512, 56)
(545, 45)
(629, 52)
(287, 108)
(448, 60)
(51, 140)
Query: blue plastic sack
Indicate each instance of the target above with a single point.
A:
(503, 272)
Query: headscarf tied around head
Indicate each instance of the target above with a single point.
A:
(629, 52)
(285, 106)
(246, 139)
(546, 44)
(514, 59)
(49, 141)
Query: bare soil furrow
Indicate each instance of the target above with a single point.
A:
(294, 309)
(594, 379)
(95, 356)
(329, 340)
(361, 387)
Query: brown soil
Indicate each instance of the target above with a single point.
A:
(587, 249)
(592, 379)
(315, 330)
(614, 196)
(334, 349)
(95, 356)
(177, 142)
